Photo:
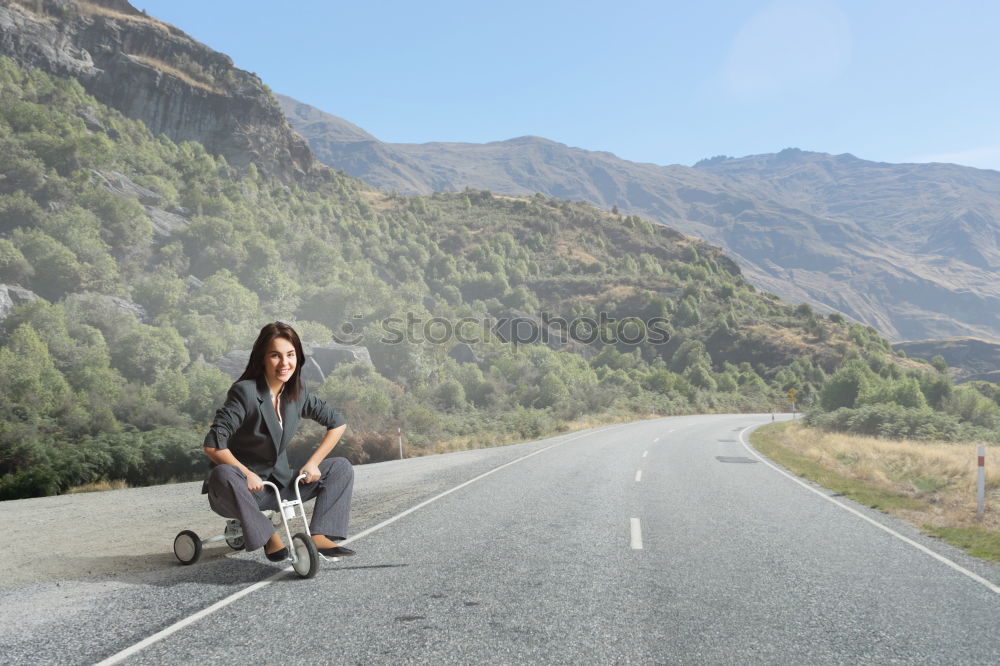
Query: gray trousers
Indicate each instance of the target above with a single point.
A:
(229, 497)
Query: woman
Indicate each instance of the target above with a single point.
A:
(248, 444)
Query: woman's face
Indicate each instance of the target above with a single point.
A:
(279, 361)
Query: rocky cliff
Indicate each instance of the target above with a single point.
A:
(153, 72)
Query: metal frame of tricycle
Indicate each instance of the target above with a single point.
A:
(305, 556)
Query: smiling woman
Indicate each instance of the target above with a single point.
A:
(248, 445)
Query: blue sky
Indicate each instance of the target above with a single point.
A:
(669, 82)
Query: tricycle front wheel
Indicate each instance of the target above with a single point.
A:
(305, 557)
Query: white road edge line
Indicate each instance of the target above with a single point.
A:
(941, 558)
(636, 539)
(222, 603)
(638, 476)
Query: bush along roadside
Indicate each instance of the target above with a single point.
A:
(879, 399)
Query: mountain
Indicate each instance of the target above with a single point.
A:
(311, 121)
(153, 72)
(909, 249)
(968, 359)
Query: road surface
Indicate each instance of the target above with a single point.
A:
(658, 542)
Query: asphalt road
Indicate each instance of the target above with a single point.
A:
(660, 542)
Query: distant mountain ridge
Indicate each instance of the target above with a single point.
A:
(968, 359)
(910, 249)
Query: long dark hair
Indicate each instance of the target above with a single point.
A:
(255, 365)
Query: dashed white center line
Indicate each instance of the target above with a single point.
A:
(638, 476)
(636, 541)
(656, 440)
(645, 453)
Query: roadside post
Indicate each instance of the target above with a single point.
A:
(981, 483)
(399, 433)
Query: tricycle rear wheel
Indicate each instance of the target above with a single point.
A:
(187, 547)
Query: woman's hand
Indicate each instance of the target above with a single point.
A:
(311, 471)
(253, 482)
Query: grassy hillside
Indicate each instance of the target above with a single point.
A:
(152, 260)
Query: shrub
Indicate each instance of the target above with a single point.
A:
(890, 421)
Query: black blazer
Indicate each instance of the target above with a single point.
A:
(247, 425)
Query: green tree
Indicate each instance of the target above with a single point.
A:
(551, 390)
(939, 364)
(450, 395)
(662, 381)
(366, 400)
(98, 388)
(843, 388)
(101, 313)
(688, 313)
(29, 376)
(904, 392)
(691, 352)
(62, 272)
(484, 285)
(222, 295)
(726, 383)
(124, 224)
(19, 210)
(159, 293)
(207, 386)
(14, 267)
(213, 243)
(171, 388)
(936, 388)
(699, 376)
(147, 353)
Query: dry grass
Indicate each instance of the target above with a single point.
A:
(943, 475)
(173, 71)
(98, 486)
(574, 252)
(94, 9)
(787, 337)
(380, 201)
(929, 484)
